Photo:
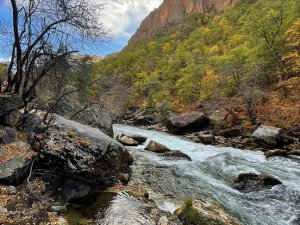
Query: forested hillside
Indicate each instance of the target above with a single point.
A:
(246, 61)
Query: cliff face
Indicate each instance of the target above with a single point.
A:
(173, 11)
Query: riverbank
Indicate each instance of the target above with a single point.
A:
(52, 172)
(211, 174)
(64, 172)
(214, 130)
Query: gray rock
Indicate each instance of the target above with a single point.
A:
(12, 118)
(95, 116)
(187, 123)
(14, 170)
(125, 209)
(10, 103)
(73, 190)
(156, 147)
(248, 182)
(31, 122)
(267, 135)
(7, 136)
(83, 153)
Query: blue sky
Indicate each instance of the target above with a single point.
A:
(122, 17)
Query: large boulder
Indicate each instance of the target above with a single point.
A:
(156, 147)
(267, 135)
(179, 124)
(95, 116)
(82, 153)
(248, 182)
(10, 103)
(15, 162)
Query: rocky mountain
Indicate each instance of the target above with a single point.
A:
(173, 11)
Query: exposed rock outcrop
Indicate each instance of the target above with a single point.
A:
(82, 153)
(248, 182)
(173, 11)
(179, 124)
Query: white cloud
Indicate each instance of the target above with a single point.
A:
(4, 60)
(124, 16)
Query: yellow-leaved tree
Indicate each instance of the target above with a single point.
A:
(292, 58)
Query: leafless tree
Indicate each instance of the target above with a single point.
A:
(45, 32)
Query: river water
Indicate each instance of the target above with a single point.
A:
(210, 176)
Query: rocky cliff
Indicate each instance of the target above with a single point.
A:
(173, 11)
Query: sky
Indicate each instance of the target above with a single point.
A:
(121, 17)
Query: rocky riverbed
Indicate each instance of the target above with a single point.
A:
(58, 171)
(212, 129)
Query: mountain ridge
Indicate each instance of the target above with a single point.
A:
(171, 12)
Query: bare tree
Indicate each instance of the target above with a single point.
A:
(45, 32)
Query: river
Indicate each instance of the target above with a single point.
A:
(210, 176)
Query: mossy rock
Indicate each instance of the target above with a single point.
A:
(198, 212)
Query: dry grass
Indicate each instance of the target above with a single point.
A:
(280, 111)
(12, 150)
(21, 209)
(79, 140)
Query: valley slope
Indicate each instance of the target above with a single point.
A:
(238, 57)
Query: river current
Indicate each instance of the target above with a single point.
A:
(210, 175)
